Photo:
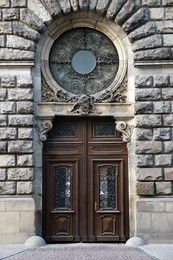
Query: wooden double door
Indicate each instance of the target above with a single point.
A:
(85, 182)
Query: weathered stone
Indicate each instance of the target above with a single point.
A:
(14, 54)
(5, 27)
(151, 205)
(2, 40)
(53, 7)
(126, 11)
(20, 120)
(7, 188)
(143, 134)
(168, 120)
(39, 10)
(114, 8)
(145, 188)
(7, 107)
(74, 4)
(167, 40)
(25, 31)
(168, 13)
(148, 94)
(28, 17)
(8, 81)
(18, 3)
(143, 108)
(151, 2)
(8, 133)
(3, 174)
(144, 81)
(3, 93)
(3, 120)
(163, 160)
(162, 107)
(102, 6)
(11, 14)
(168, 147)
(25, 107)
(161, 81)
(145, 30)
(3, 147)
(164, 27)
(25, 160)
(167, 2)
(154, 54)
(167, 93)
(17, 42)
(148, 147)
(7, 160)
(145, 160)
(21, 94)
(65, 6)
(150, 42)
(161, 134)
(164, 188)
(168, 173)
(20, 147)
(149, 174)
(20, 174)
(25, 133)
(84, 4)
(5, 3)
(138, 19)
(24, 188)
(149, 120)
(157, 13)
(24, 81)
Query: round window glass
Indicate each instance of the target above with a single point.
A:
(83, 60)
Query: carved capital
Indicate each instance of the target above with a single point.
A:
(125, 129)
(44, 129)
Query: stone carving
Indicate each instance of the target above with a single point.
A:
(45, 127)
(125, 129)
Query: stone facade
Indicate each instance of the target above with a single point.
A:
(145, 28)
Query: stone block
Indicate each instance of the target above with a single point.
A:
(148, 147)
(29, 18)
(7, 188)
(127, 9)
(3, 147)
(143, 108)
(168, 147)
(2, 40)
(7, 160)
(8, 133)
(7, 221)
(168, 174)
(144, 81)
(25, 31)
(149, 174)
(167, 93)
(143, 134)
(5, 3)
(152, 3)
(150, 42)
(161, 134)
(164, 188)
(157, 13)
(168, 120)
(151, 205)
(162, 107)
(25, 160)
(25, 133)
(18, 3)
(27, 222)
(20, 174)
(167, 2)
(5, 27)
(163, 160)
(162, 223)
(145, 188)
(169, 206)
(20, 94)
(8, 81)
(164, 27)
(19, 204)
(20, 120)
(148, 121)
(154, 54)
(24, 81)
(24, 187)
(145, 160)
(143, 222)
(17, 147)
(7, 107)
(3, 174)
(25, 107)
(43, 13)
(3, 120)
(3, 93)
(144, 31)
(148, 94)
(11, 14)
(54, 8)
(15, 54)
(167, 40)
(17, 42)
(161, 81)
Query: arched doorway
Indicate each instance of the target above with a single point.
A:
(85, 181)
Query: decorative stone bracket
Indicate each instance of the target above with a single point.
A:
(125, 129)
(46, 126)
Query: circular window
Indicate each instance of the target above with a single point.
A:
(83, 61)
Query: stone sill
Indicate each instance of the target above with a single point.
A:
(153, 63)
(16, 63)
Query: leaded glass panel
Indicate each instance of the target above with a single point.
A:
(107, 186)
(62, 184)
(65, 130)
(104, 129)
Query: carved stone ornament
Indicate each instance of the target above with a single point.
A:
(46, 126)
(125, 129)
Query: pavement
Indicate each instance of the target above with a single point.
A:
(85, 251)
